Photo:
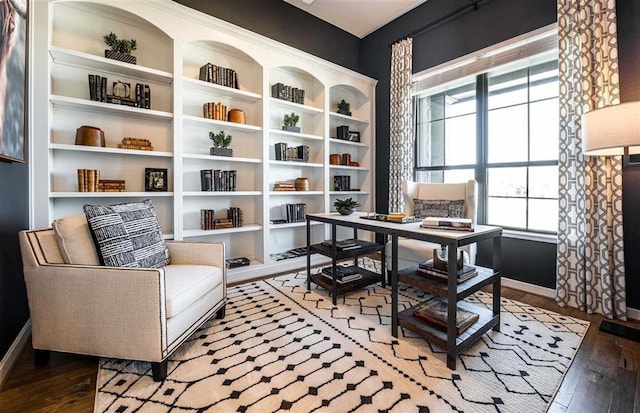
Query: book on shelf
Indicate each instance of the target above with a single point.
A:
(434, 312)
(427, 268)
(460, 224)
(342, 245)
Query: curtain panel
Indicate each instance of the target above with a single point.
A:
(401, 132)
(590, 272)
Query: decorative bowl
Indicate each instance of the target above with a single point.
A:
(345, 211)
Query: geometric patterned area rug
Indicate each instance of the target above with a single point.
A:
(283, 348)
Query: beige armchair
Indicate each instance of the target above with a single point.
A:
(412, 252)
(128, 313)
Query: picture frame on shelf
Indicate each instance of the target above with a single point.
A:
(155, 180)
(13, 61)
(354, 136)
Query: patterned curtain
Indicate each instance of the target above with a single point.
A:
(401, 134)
(590, 274)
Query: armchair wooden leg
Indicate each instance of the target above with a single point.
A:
(41, 357)
(159, 370)
(221, 312)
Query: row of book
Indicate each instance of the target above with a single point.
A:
(427, 269)
(208, 221)
(283, 152)
(98, 93)
(141, 144)
(459, 224)
(294, 212)
(288, 93)
(237, 262)
(218, 180)
(88, 180)
(215, 111)
(343, 274)
(219, 75)
(342, 183)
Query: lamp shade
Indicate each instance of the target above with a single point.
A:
(607, 131)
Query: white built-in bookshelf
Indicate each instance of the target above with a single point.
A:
(173, 43)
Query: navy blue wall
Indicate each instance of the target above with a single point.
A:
(14, 216)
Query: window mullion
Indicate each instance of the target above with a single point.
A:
(482, 129)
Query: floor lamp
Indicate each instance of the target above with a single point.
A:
(611, 131)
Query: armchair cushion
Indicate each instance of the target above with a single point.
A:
(127, 235)
(74, 240)
(185, 284)
(423, 208)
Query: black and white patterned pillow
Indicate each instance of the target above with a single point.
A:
(127, 235)
(423, 208)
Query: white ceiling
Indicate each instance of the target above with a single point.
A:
(358, 17)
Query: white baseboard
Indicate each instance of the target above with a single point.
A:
(528, 288)
(632, 313)
(9, 359)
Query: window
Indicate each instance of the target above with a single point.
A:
(501, 128)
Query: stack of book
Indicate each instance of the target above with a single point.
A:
(428, 270)
(140, 144)
(342, 245)
(219, 75)
(111, 185)
(237, 262)
(213, 110)
(343, 274)
(289, 93)
(459, 224)
(434, 312)
(283, 186)
(88, 180)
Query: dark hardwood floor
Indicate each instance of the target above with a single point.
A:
(602, 378)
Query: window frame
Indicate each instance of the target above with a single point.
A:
(482, 166)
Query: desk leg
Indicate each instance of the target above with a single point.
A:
(383, 266)
(452, 306)
(308, 254)
(497, 267)
(334, 253)
(394, 285)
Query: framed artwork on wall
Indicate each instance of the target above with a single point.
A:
(13, 79)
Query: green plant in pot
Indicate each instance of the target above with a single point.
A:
(290, 122)
(343, 108)
(120, 49)
(346, 206)
(220, 144)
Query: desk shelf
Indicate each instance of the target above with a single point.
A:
(486, 276)
(368, 277)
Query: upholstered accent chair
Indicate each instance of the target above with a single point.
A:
(79, 306)
(412, 252)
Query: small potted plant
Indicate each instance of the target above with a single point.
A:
(346, 206)
(220, 142)
(120, 49)
(343, 108)
(290, 122)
